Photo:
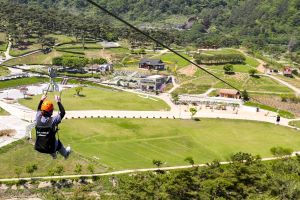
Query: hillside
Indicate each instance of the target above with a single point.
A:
(266, 25)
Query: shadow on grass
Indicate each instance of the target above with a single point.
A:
(255, 76)
(79, 95)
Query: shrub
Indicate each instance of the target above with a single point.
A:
(280, 151)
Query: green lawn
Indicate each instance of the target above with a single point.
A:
(4, 71)
(62, 38)
(239, 80)
(3, 112)
(295, 123)
(37, 58)
(21, 153)
(17, 52)
(102, 99)
(172, 60)
(134, 143)
(3, 42)
(21, 81)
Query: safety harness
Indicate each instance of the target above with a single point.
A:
(45, 136)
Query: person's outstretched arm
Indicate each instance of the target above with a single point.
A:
(41, 102)
(62, 111)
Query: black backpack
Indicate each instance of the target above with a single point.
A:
(45, 136)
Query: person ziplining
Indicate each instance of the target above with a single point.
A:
(47, 126)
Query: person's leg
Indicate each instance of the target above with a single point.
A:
(62, 150)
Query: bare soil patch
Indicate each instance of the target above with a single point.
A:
(7, 132)
(189, 70)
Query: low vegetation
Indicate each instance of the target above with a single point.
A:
(295, 124)
(4, 71)
(282, 113)
(21, 81)
(101, 99)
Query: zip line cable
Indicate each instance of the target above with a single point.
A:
(165, 46)
(160, 43)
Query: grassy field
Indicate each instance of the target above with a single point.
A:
(293, 81)
(62, 38)
(17, 52)
(21, 81)
(134, 143)
(37, 58)
(250, 62)
(4, 71)
(102, 99)
(3, 42)
(295, 123)
(173, 60)
(3, 112)
(20, 154)
(242, 81)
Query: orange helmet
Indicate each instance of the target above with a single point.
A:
(47, 106)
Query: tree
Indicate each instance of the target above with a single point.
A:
(190, 160)
(175, 97)
(58, 61)
(245, 95)
(78, 168)
(157, 163)
(98, 61)
(228, 68)
(31, 168)
(193, 111)
(252, 72)
(78, 90)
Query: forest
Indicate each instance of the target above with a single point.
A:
(259, 25)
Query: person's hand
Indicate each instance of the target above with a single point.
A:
(57, 98)
(43, 97)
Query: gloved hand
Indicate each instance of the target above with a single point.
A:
(57, 98)
(43, 97)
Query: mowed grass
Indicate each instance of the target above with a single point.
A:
(295, 123)
(37, 58)
(18, 52)
(3, 42)
(21, 81)
(250, 62)
(239, 80)
(134, 143)
(21, 154)
(101, 99)
(173, 60)
(3, 112)
(117, 144)
(62, 38)
(4, 71)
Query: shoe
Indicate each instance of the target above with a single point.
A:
(54, 156)
(68, 149)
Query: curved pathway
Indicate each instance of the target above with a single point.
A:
(129, 171)
(295, 89)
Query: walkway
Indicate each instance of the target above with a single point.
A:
(295, 89)
(127, 171)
